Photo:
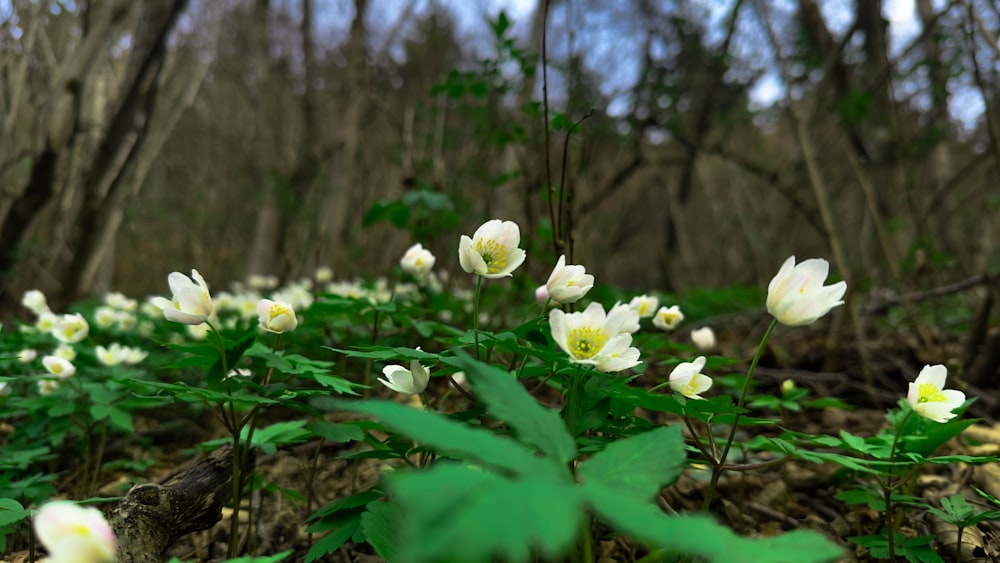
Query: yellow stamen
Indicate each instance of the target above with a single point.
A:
(493, 253)
(586, 341)
(929, 393)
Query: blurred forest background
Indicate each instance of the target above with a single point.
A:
(699, 142)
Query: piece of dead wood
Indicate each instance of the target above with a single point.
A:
(151, 517)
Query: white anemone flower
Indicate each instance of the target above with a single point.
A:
(688, 380)
(593, 338)
(73, 533)
(59, 367)
(70, 328)
(930, 399)
(417, 261)
(667, 318)
(190, 303)
(645, 305)
(567, 284)
(34, 301)
(623, 318)
(493, 251)
(411, 381)
(703, 338)
(796, 295)
(276, 316)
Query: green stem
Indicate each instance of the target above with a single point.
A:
(586, 542)
(890, 520)
(234, 428)
(475, 312)
(718, 467)
(98, 459)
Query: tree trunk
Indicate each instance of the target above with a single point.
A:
(104, 186)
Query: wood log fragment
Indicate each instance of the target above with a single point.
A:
(151, 517)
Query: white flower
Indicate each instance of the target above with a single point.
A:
(296, 295)
(105, 316)
(324, 274)
(198, 332)
(493, 251)
(593, 338)
(35, 302)
(190, 303)
(542, 297)
(119, 301)
(796, 295)
(417, 261)
(46, 322)
(567, 284)
(132, 355)
(645, 305)
(259, 281)
(622, 318)
(930, 399)
(27, 355)
(47, 386)
(116, 354)
(71, 328)
(275, 316)
(688, 380)
(74, 534)
(667, 318)
(59, 367)
(703, 338)
(65, 351)
(411, 381)
(239, 372)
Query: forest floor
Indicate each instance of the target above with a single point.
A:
(777, 497)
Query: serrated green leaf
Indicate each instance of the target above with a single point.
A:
(464, 514)
(338, 384)
(451, 437)
(508, 401)
(346, 503)
(381, 524)
(640, 464)
(332, 541)
(700, 536)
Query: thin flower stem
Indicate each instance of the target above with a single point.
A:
(890, 520)
(475, 313)
(720, 466)
(234, 428)
(98, 459)
(461, 389)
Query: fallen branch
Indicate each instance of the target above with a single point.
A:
(887, 299)
(151, 517)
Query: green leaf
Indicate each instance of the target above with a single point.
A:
(234, 351)
(698, 535)
(461, 513)
(381, 524)
(639, 465)
(337, 432)
(279, 434)
(337, 383)
(346, 503)
(508, 401)
(332, 541)
(261, 558)
(11, 511)
(439, 432)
